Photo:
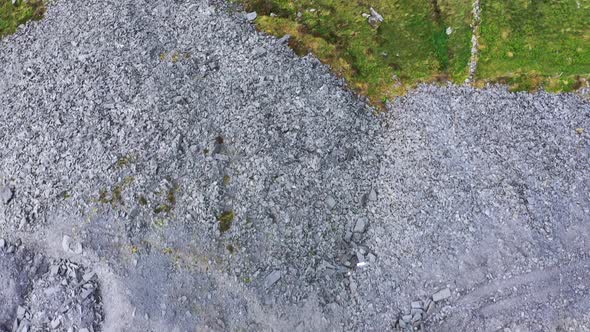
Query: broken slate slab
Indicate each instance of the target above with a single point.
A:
(441, 295)
(6, 195)
(284, 39)
(331, 202)
(272, 278)
(20, 312)
(361, 225)
(89, 276)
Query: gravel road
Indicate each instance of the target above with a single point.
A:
(163, 166)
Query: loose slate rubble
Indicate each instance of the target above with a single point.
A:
(419, 311)
(162, 80)
(66, 299)
(50, 293)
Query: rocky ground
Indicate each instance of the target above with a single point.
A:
(163, 166)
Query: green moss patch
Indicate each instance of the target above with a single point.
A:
(225, 221)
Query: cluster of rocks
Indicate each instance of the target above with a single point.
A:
(419, 310)
(45, 294)
(67, 298)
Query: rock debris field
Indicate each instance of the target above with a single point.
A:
(165, 167)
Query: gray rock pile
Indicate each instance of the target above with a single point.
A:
(44, 294)
(225, 183)
(413, 319)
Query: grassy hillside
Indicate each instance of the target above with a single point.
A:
(11, 16)
(525, 43)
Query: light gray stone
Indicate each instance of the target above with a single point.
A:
(71, 246)
(331, 202)
(20, 312)
(251, 16)
(441, 295)
(284, 39)
(417, 305)
(272, 278)
(376, 15)
(372, 195)
(6, 195)
(55, 323)
(89, 276)
(361, 225)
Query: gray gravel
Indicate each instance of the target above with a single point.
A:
(211, 178)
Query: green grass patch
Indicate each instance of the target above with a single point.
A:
(535, 44)
(11, 16)
(524, 43)
(409, 47)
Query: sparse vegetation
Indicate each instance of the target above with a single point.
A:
(226, 180)
(225, 221)
(124, 161)
(115, 195)
(168, 206)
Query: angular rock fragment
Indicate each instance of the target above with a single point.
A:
(361, 225)
(6, 195)
(272, 278)
(441, 295)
